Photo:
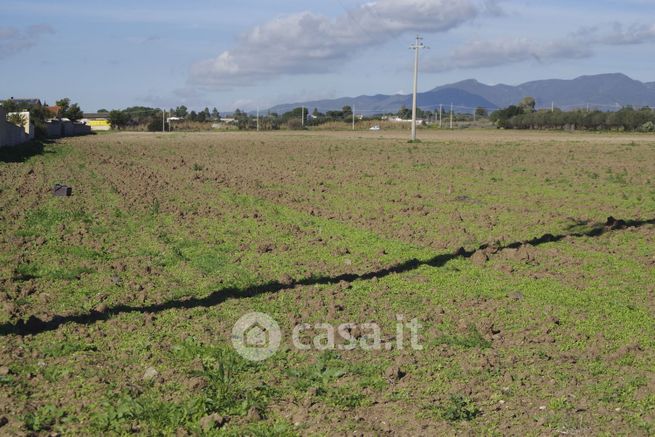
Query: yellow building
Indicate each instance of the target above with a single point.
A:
(97, 122)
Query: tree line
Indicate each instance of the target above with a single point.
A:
(525, 116)
(140, 117)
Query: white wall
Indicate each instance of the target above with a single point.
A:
(12, 135)
(66, 128)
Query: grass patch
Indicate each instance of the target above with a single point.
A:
(472, 339)
(459, 408)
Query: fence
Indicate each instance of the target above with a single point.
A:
(66, 128)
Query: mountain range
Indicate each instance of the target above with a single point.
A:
(602, 91)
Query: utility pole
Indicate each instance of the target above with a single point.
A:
(163, 120)
(353, 117)
(258, 119)
(451, 115)
(302, 112)
(552, 107)
(440, 116)
(417, 46)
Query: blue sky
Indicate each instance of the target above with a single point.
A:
(259, 53)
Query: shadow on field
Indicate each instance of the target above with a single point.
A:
(23, 152)
(34, 325)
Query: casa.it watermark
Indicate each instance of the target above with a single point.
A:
(257, 336)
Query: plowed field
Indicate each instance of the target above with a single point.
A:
(527, 258)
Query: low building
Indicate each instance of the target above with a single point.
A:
(97, 121)
(419, 121)
(25, 104)
(54, 110)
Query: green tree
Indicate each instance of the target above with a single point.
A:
(528, 104)
(118, 119)
(649, 126)
(17, 118)
(63, 104)
(242, 119)
(405, 113)
(68, 110)
(480, 112)
(334, 115)
(74, 112)
(39, 115)
(181, 111)
(9, 105)
(155, 122)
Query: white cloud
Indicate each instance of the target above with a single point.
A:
(580, 44)
(309, 43)
(618, 34)
(491, 53)
(13, 40)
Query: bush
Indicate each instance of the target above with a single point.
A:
(294, 124)
(155, 124)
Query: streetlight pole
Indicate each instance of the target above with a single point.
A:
(417, 46)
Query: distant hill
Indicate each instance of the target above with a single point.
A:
(381, 103)
(603, 91)
(500, 95)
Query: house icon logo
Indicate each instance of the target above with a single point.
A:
(256, 336)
